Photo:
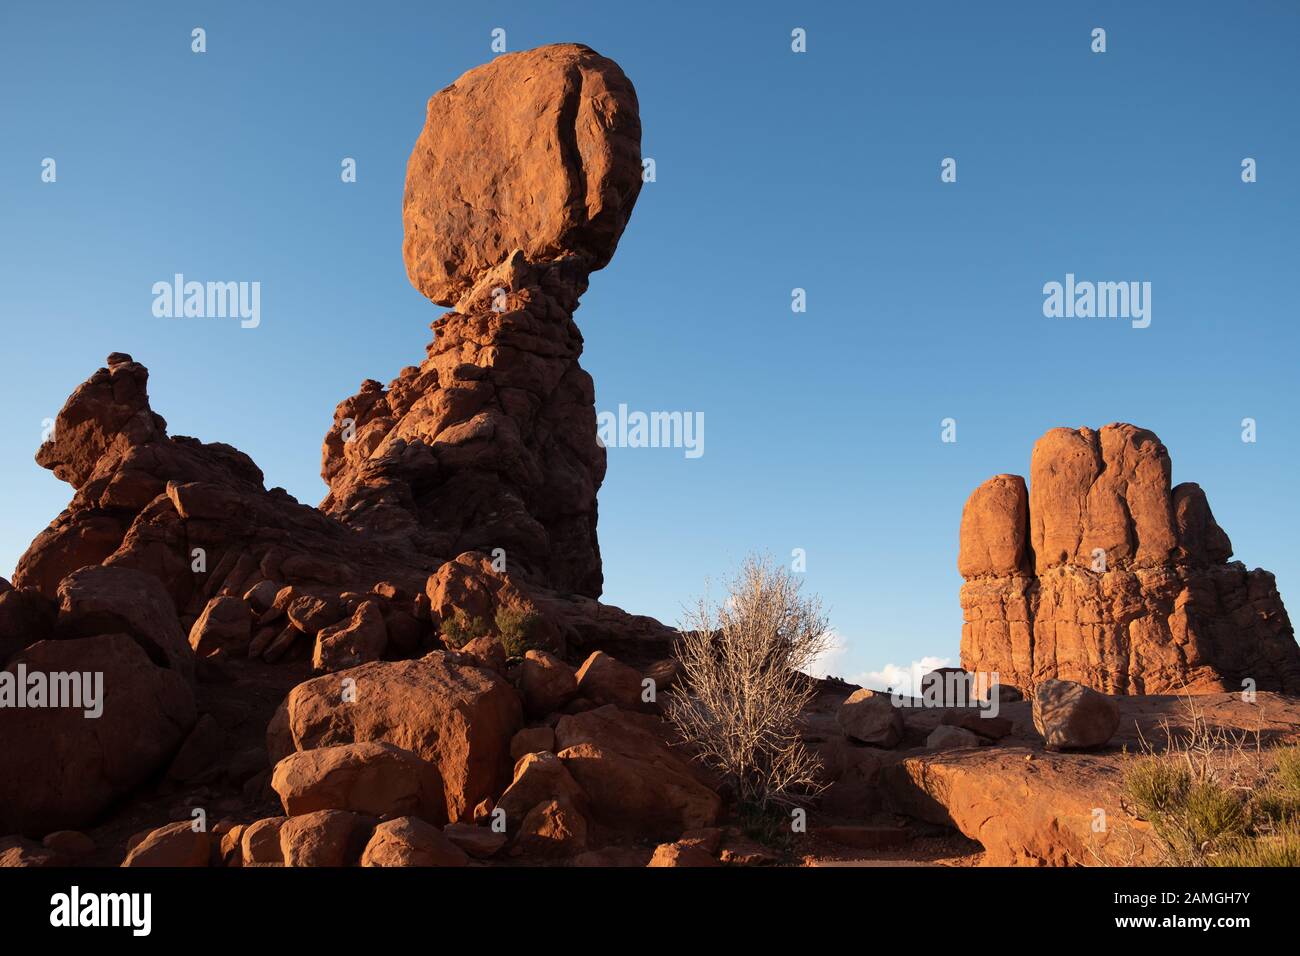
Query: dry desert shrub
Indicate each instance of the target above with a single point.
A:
(1213, 799)
(742, 664)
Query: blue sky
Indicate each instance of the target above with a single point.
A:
(775, 170)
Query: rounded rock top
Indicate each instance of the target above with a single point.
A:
(538, 151)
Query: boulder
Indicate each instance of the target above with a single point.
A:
(870, 717)
(177, 844)
(552, 828)
(372, 778)
(546, 683)
(109, 600)
(321, 838)
(538, 776)
(225, 625)
(146, 712)
(1073, 717)
(560, 177)
(260, 841)
(409, 841)
(358, 640)
(630, 776)
(479, 842)
(461, 719)
(604, 680)
(946, 737)
(531, 740)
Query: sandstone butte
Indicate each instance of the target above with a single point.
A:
(365, 683)
(1101, 573)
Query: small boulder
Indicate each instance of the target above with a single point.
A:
(870, 717)
(552, 828)
(531, 740)
(538, 777)
(947, 737)
(260, 841)
(479, 842)
(370, 777)
(225, 625)
(1071, 716)
(359, 640)
(322, 838)
(177, 844)
(546, 683)
(604, 680)
(408, 841)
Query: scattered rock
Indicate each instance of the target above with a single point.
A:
(604, 680)
(629, 774)
(553, 828)
(461, 719)
(546, 683)
(946, 737)
(225, 625)
(1073, 717)
(870, 717)
(531, 740)
(177, 844)
(408, 841)
(479, 842)
(260, 841)
(359, 640)
(372, 778)
(320, 838)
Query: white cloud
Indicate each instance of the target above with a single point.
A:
(831, 660)
(904, 678)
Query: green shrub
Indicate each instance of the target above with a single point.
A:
(515, 629)
(1278, 849)
(1157, 785)
(1287, 774)
(459, 629)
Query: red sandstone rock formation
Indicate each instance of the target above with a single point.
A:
(466, 490)
(1102, 573)
(519, 186)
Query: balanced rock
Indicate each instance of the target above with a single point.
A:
(517, 189)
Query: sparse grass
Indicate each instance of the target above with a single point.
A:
(1281, 848)
(769, 826)
(1213, 799)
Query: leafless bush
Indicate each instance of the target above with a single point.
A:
(744, 689)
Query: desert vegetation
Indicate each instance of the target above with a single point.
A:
(1217, 797)
(742, 662)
